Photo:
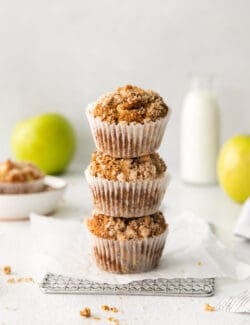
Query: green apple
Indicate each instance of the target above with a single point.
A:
(47, 140)
(233, 168)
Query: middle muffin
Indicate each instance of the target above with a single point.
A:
(124, 187)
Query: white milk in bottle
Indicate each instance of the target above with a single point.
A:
(199, 134)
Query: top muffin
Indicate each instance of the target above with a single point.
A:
(130, 104)
(19, 172)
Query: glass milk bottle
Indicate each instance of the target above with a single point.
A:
(199, 134)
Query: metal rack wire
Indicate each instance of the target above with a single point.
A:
(54, 283)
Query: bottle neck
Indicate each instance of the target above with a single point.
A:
(202, 83)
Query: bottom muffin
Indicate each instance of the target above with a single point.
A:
(122, 245)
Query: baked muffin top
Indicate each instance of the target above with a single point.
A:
(127, 228)
(130, 104)
(147, 167)
(19, 172)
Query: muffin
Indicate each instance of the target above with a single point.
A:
(129, 122)
(123, 245)
(20, 177)
(127, 187)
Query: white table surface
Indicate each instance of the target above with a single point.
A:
(25, 304)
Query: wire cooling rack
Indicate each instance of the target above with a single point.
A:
(54, 283)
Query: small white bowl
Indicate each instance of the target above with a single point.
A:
(19, 206)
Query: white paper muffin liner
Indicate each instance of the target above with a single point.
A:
(21, 188)
(127, 199)
(127, 141)
(128, 256)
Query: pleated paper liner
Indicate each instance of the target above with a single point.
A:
(128, 256)
(127, 199)
(127, 140)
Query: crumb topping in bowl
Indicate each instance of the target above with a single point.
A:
(19, 172)
(130, 104)
(142, 168)
(127, 229)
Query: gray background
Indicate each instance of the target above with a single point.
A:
(59, 55)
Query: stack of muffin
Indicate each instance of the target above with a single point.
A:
(127, 179)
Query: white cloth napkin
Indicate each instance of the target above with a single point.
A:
(192, 250)
(235, 304)
(242, 228)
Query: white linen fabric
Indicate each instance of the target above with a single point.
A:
(192, 250)
(242, 228)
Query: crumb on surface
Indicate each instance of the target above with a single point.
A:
(114, 309)
(20, 280)
(209, 308)
(85, 312)
(199, 263)
(28, 279)
(127, 228)
(142, 168)
(113, 320)
(107, 308)
(97, 318)
(7, 270)
(130, 104)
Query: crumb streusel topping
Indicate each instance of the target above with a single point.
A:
(130, 104)
(19, 172)
(127, 228)
(127, 169)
